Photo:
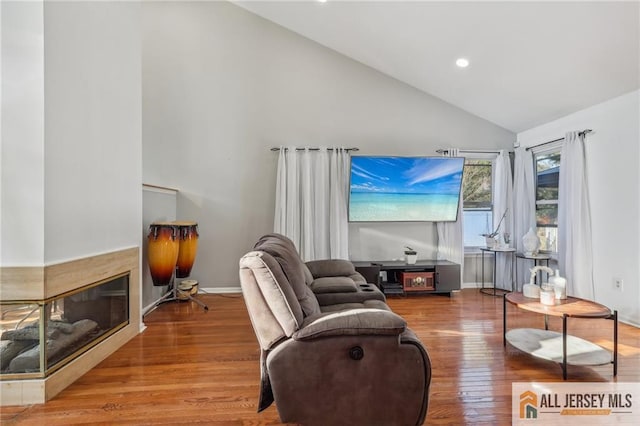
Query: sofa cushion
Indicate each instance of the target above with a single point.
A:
(353, 322)
(365, 292)
(358, 278)
(369, 304)
(308, 277)
(284, 252)
(331, 268)
(333, 285)
(309, 302)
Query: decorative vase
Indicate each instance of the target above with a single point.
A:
(530, 242)
(547, 296)
(490, 242)
(531, 290)
(559, 285)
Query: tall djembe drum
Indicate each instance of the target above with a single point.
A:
(188, 240)
(188, 246)
(162, 252)
(172, 249)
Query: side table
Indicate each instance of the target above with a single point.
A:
(495, 252)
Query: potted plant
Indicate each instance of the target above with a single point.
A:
(410, 255)
(491, 238)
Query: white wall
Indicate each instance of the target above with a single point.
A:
(613, 154)
(386, 241)
(221, 86)
(71, 130)
(93, 128)
(22, 135)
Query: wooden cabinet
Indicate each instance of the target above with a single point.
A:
(425, 276)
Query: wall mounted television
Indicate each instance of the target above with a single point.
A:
(404, 189)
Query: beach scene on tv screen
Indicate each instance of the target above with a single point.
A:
(398, 189)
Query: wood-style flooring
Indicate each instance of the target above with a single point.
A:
(189, 366)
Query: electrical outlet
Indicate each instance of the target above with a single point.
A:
(617, 284)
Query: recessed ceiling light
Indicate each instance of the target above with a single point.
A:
(462, 62)
(322, 1)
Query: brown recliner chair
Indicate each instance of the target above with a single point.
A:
(352, 365)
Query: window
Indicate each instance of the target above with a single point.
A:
(547, 179)
(477, 201)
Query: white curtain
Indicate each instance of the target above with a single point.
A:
(338, 216)
(574, 219)
(502, 202)
(450, 234)
(524, 206)
(311, 201)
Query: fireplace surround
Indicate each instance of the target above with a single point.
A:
(82, 310)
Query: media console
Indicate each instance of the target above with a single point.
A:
(400, 278)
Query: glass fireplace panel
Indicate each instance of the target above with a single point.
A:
(69, 324)
(20, 325)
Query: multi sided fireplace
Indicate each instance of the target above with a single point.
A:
(38, 338)
(59, 321)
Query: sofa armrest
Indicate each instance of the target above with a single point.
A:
(352, 322)
(331, 268)
(323, 285)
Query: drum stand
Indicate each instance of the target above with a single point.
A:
(172, 295)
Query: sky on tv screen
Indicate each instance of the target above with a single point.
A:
(400, 189)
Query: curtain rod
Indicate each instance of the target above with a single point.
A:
(314, 149)
(470, 151)
(584, 132)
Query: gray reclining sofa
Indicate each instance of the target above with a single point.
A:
(332, 352)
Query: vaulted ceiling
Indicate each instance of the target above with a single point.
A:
(530, 62)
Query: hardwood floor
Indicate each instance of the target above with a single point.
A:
(195, 367)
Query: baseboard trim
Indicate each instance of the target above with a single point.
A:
(149, 306)
(221, 290)
(628, 321)
(471, 285)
